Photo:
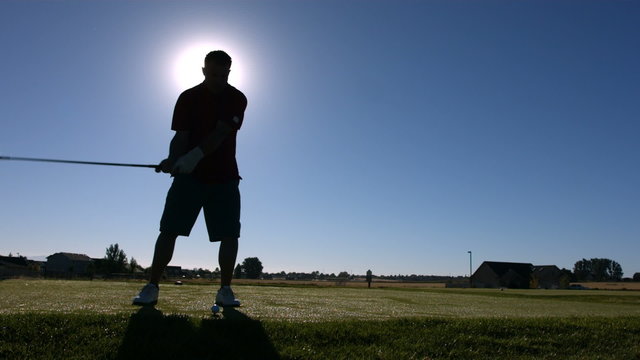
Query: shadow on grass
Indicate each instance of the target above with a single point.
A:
(153, 335)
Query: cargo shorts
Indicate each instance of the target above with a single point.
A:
(220, 202)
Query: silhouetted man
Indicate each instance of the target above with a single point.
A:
(202, 160)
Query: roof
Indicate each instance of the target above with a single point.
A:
(73, 257)
(501, 268)
(545, 267)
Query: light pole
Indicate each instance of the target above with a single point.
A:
(470, 267)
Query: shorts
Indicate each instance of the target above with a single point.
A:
(221, 204)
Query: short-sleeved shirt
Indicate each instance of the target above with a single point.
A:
(198, 111)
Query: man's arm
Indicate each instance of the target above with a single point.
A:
(186, 163)
(177, 148)
(217, 137)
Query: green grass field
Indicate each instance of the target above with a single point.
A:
(42, 319)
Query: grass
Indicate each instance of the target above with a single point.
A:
(42, 319)
(308, 304)
(150, 334)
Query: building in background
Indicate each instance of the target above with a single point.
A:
(16, 266)
(493, 274)
(64, 264)
(545, 277)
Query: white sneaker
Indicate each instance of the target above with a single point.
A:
(148, 295)
(225, 297)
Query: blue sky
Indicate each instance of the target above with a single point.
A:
(385, 135)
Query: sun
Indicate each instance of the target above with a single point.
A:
(187, 69)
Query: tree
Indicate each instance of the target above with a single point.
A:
(238, 273)
(636, 276)
(115, 259)
(252, 267)
(343, 274)
(615, 271)
(597, 269)
(582, 270)
(133, 265)
(566, 276)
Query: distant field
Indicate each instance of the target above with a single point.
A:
(612, 285)
(50, 319)
(308, 303)
(359, 283)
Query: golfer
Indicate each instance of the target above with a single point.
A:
(202, 160)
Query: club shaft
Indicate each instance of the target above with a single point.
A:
(76, 162)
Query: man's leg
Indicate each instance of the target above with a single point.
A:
(162, 255)
(227, 259)
(181, 210)
(222, 214)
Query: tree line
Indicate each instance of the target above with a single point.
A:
(115, 261)
(597, 269)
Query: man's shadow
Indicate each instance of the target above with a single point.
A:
(153, 335)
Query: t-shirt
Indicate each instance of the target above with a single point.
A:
(198, 111)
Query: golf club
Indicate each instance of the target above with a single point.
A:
(156, 167)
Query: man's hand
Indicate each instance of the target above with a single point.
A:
(188, 161)
(165, 166)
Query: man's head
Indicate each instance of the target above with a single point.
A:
(217, 65)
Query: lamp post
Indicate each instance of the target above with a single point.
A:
(470, 267)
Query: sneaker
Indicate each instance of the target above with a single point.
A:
(225, 297)
(148, 295)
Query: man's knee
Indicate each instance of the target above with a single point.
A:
(167, 237)
(169, 234)
(224, 239)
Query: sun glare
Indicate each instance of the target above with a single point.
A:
(188, 65)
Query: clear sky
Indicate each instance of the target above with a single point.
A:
(385, 135)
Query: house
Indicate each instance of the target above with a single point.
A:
(493, 274)
(68, 264)
(11, 266)
(545, 277)
(14, 260)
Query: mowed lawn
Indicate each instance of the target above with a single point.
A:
(95, 319)
(307, 304)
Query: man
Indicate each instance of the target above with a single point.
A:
(202, 161)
